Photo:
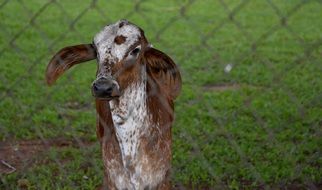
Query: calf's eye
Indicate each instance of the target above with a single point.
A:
(135, 51)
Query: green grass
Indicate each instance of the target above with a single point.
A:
(264, 132)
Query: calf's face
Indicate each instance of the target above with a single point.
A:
(118, 47)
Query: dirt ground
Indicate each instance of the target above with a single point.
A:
(18, 155)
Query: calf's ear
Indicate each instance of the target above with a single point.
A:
(163, 72)
(66, 58)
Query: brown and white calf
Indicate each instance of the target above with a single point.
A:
(135, 88)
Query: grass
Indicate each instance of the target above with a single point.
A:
(261, 129)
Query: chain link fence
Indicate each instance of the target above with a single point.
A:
(248, 117)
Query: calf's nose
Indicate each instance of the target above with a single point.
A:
(104, 88)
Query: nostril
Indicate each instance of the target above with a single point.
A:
(95, 87)
(109, 89)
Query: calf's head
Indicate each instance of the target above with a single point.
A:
(122, 52)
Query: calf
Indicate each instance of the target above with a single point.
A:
(135, 89)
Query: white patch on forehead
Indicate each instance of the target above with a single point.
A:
(103, 41)
(108, 49)
(132, 35)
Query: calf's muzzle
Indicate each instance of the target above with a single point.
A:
(104, 88)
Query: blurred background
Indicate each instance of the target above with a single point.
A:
(249, 115)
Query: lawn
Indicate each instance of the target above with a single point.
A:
(249, 115)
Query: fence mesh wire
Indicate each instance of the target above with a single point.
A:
(248, 117)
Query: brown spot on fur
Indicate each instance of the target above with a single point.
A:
(119, 39)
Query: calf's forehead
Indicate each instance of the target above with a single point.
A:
(105, 39)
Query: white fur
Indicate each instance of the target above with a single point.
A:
(132, 34)
(130, 115)
(106, 47)
(130, 118)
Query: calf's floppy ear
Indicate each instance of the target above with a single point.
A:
(162, 71)
(66, 58)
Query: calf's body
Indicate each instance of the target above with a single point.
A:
(135, 89)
